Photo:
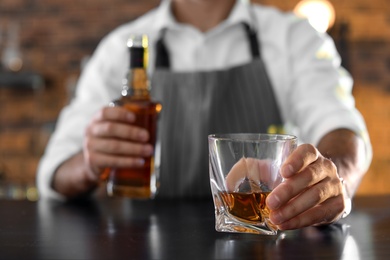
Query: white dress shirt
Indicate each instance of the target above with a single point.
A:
(312, 90)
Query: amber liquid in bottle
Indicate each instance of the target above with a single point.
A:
(139, 182)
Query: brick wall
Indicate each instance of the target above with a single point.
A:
(54, 38)
(56, 35)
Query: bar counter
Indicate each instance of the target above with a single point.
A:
(174, 229)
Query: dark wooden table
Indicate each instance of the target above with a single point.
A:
(126, 229)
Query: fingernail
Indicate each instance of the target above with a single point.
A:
(140, 162)
(143, 135)
(130, 117)
(276, 218)
(148, 150)
(273, 202)
(287, 171)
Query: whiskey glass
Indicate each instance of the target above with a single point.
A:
(244, 169)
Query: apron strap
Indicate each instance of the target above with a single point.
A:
(162, 54)
(253, 41)
(162, 57)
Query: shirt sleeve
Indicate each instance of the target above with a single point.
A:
(99, 84)
(320, 95)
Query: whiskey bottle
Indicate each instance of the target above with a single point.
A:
(137, 182)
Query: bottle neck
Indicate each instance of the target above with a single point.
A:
(137, 84)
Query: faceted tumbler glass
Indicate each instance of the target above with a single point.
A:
(244, 169)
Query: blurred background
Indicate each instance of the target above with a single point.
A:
(45, 43)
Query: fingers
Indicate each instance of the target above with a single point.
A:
(114, 114)
(321, 171)
(117, 147)
(324, 213)
(99, 164)
(101, 161)
(116, 122)
(112, 140)
(311, 194)
(259, 172)
(302, 156)
(314, 197)
(100, 154)
(236, 175)
(107, 129)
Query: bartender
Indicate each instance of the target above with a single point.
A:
(218, 66)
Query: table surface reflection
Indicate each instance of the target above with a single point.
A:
(128, 229)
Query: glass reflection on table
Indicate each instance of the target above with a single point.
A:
(123, 228)
(337, 241)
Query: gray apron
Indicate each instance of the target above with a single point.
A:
(196, 104)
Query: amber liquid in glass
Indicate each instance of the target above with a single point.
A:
(248, 207)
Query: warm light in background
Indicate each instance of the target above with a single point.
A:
(320, 13)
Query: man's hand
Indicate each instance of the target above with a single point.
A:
(111, 140)
(312, 193)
